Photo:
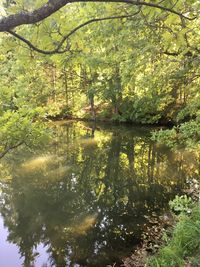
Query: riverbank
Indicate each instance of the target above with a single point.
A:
(165, 125)
(183, 249)
(176, 243)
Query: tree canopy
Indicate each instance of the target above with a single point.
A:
(135, 61)
(38, 14)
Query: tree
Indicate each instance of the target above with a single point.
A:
(11, 21)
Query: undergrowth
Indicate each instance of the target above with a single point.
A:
(183, 249)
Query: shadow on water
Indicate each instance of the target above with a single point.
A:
(83, 201)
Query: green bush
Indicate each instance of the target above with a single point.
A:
(181, 204)
(187, 134)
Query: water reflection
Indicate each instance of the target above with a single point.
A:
(86, 197)
(38, 162)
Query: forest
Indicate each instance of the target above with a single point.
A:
(99, 129)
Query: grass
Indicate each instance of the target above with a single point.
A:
(184, 247)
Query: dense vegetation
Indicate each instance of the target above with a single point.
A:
(134, 63)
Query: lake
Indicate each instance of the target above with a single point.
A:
(84, 199)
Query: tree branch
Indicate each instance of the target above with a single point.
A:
(58, 50)
(22, 18)
(2, 154)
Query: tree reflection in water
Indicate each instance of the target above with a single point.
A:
(86, 197)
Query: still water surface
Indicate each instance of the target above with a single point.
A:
(84, 199)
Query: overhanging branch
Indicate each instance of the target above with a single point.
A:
(58, 50)
(22, 18)
(2, 154)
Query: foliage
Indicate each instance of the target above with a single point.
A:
(181, 204)
(187, 134)
(23, 126)
(134, 75)
(167, 137)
